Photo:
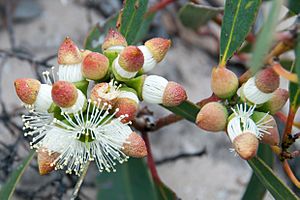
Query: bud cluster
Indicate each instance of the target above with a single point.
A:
(83, 110)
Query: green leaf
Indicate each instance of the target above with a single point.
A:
(264, 40)
(275, 186)
(187, 110)
(96, 36)
(294, 6)
(144, 28)
(238, 18)
(131, 181)
(9, 187)
(297, 54)
(255, 189)
(193, 16)
(132, 18)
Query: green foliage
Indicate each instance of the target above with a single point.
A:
(255, 189)
(132, 181)
(275, 186)
(193, 16)
(187, 110)
(9, 186)
(264, 40)
(294, 6)
(144, 28)
(238, 18)
(132, 18)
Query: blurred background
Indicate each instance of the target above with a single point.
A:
(193, 163)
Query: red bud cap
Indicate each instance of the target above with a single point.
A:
(113, 38)
(174, 94)
(267, 80)
(224, 83)
(27, 89)
(158, 47)
(68, 53)
(277, 101)
(95, 66)
(131, 59)
(212, 117)
(135, 147)
(84, 53)
(45, 161)
(127, 103)
(246, 145)
(64, 94)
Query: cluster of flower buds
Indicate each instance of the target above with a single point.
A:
(251, 120)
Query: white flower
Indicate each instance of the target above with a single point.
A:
(253, 94)
(153, 89)
(71, 73)
(94, 135)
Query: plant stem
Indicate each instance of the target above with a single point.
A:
(160, 5)
(290, 173)
(80, 181)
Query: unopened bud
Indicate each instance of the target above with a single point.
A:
(212, 117)
(277, 101)
(267, 80)
(27, 89)
(84, 53)
(68, 53)
(127, 103)
(224, 83)
(46, 161)
(114, 41)
(158, 47)
(135, 146)
(95, 66)
(64, 94)
(246, 145)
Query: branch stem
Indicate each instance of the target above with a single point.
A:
(80, 181)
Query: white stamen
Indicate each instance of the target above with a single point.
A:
(43, 99)
(149, 61)
(253, 94)
(153, 89)
(115, 48)
(71, 73)
(122, 72)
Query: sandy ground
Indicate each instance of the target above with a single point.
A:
(217, 175)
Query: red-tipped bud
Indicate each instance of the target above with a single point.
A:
(212, 117)
(68, 53)
(113, 39)
(104, 93)
(267, 80)
(64, 94)
(174, 94)
(27, 89)
(277, 101)
(95, 66)
(127, 103)
(46, 161)
(246, 145)
(158, 47)
(84, 53)
(135, 146)
(131, 59)
(224, 83)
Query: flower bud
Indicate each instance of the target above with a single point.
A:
(158, 48)
(267, 80)
(271, 134)
(128, 63)
(68, 53)
(105, 93)
(135, 146)
(157, 89)
(212, 117)
(224, 83)
(95, 66)
(277, 101)
(27, 89)
(32, 92)
(84, 53)
(114, 41)
(127, 103)
(64, 94)
(46, 161)
(246, 145)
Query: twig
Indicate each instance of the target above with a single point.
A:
(80, 181)
(290, 174)
(159, 6)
